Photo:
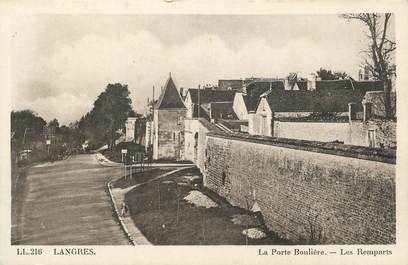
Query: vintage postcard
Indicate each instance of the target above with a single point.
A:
(184, 132)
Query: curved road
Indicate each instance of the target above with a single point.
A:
(67, 203)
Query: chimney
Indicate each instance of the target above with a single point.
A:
(311, 82)
(181, 91)
(287, 83)
(352, 111)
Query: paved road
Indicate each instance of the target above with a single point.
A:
(67, 203)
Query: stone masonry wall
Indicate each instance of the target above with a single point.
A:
(169, 136)
(307, 192)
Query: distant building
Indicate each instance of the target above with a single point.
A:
(230, 84)
(168, 124)
(130, 129)
(365, 73)
(135, 130)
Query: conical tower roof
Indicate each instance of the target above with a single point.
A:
(170, 97)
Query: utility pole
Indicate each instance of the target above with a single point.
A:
(25, 132)
(152, 126)
(153, 101)
(198, 101)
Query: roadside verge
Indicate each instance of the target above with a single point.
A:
(117, 196)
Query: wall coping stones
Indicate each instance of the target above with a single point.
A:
(359, 152)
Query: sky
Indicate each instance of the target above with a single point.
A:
(61, 63)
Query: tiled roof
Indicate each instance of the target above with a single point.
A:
(363, 86)
(302, 85)
(246, 99)
(222, 110)
(210, 95)
(203, 112)
(255, 89)
(170, 97)
(234, 125)
(215, 110)
(313, 101)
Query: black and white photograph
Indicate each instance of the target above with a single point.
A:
(203, 130)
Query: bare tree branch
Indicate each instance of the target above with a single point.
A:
(379, 56)
(384, 32)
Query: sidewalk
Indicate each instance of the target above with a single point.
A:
(106, 162)
(118, 196)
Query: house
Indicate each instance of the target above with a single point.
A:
(246, 101)
(310, 115)
(168, 123)
(198, 102)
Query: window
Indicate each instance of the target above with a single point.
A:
(263, 125)
(179, 118)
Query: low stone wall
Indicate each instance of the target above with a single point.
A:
(354, 133)
(308, 192)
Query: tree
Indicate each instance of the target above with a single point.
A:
(26, 120)
(380, 53)
(53, 123)
(109, 113)
(331, 75)
(27, 133)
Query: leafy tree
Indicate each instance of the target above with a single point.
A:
(27, 131)
(70, 136)
(325, 74)
(53, 123)
(26, 121)
(109, 113)
(380, 53)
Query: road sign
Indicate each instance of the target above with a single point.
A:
(48, 142)
(124, 151)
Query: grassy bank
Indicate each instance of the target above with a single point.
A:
(165, 218)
